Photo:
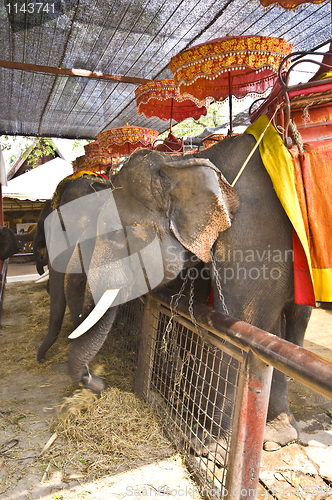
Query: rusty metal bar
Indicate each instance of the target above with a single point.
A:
(308, 368)
(146, 349)
(247, 435)
(83, 73)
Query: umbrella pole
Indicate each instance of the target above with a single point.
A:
(230, 104)
(170, 125)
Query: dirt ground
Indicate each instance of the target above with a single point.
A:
(31, 395)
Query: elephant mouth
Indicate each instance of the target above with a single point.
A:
(98, 312)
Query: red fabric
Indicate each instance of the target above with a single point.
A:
(211, 297)
(171, 145)
(313, 181)
(303, 289)
(161, 98)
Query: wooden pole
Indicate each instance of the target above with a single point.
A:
(83, 73)
(230, 104)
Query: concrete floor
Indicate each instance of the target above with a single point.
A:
(25, 271)
(301, 470)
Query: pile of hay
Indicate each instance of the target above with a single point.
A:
(107, 435)
(24, 325)
(95, 435)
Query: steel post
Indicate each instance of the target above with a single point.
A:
(248, 431)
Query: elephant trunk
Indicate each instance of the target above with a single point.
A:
(100, 309)
(85, 348)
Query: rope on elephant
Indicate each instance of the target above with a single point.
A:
(256, 146)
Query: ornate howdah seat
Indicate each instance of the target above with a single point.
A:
(308, 104)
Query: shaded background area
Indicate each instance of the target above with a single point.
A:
(133, 38)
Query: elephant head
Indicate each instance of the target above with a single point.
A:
(160, 215)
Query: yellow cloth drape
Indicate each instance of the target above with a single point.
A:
(310, 215)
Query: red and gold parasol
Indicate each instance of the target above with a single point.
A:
(161, 98)
(96, 159)
(229, 66)
(288, 4)
(124, 140)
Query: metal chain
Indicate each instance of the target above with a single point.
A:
(179, 295)
(173, 309)
(191, 301)
(217, 280)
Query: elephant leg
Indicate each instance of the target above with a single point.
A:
(297, 319)
(281, 427)
(57, 311)
(84, 348)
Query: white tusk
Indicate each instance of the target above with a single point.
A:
(43, 277)
(104, 303)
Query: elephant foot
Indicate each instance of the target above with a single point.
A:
(90, 381)
(280, 431)
(41, 355)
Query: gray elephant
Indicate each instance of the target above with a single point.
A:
(110, 246)
(9, 244)
(253, 256)
(255, 265)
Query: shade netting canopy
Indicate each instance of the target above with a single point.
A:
(132, 39)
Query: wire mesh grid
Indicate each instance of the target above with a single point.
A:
(193, 385)
(129, 321)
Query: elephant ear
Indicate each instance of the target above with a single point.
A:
(201, 203)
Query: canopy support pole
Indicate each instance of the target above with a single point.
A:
(230, 104)
(83, 73)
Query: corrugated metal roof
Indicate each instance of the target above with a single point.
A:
(134, 38)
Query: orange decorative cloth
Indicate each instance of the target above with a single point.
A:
(313, 182)
(303, 185)
(124, 140)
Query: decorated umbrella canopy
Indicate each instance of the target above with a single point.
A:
(96, 159)
(288, 4)
(162, 98)
(124, 140)
(229, 66)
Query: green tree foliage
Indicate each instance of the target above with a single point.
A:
(39, 148)
(31, 147)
